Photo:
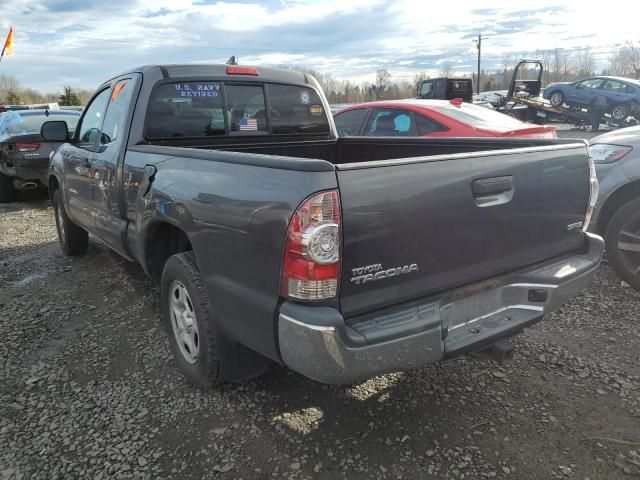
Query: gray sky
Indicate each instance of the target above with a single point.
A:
(83, 42)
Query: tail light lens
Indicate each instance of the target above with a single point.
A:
(593, 194)
(311, 263)
(27, 147)
(239, 70)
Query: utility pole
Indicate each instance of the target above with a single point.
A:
(478, 43)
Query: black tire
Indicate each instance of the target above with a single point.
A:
(205, 371)
(620, 111)
(73, 239)
(7, 190)
(621, 238)
(556, 98)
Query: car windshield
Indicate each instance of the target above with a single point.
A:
(478, 116)
(14, 123)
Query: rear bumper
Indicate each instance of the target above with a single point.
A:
(317, 342)
(27, 169)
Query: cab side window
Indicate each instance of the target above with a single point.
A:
(117, 111)
(91, 123)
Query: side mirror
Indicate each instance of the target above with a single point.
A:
(55, 131)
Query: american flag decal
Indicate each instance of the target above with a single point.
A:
(248, 125)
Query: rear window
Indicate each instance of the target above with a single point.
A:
(14, 123)
(246, 110)
(296, 110)
(477, 116)
(192, 109)
(205, 109)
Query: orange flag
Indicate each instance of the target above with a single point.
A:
(7, 50)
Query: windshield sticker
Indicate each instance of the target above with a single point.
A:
(117, 89)
(197, 89)
(305, 98)
(316, 110)
(248, 125)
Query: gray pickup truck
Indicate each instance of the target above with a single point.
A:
(272, 239)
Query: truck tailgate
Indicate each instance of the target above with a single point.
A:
(417, 226)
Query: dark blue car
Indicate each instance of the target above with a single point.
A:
(622, 94)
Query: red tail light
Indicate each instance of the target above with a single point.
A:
(236, 70)
(27, 147)
(311, 263)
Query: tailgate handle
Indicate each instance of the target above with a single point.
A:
(491, 186)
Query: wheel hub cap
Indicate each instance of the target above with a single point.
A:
(184, 322)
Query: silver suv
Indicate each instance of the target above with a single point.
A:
(617, 213)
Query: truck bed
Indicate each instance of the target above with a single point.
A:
(438, 211)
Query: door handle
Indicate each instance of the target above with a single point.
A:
(489, 192)
(491, 186)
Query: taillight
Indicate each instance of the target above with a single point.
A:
(27, 147)
(239, 70)
(311, 262)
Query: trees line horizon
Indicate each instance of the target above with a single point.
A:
(559, 65)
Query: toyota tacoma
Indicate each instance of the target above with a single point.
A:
(342, 258)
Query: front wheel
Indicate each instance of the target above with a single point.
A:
(622, 241)
(7, 190)
(620, 112)
(73, 239)
(556, 98)
(190, 321)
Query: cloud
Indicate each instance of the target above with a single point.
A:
(87, 41)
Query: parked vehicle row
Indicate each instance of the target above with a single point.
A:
(617, 213)
(24, 154)
(342, 258)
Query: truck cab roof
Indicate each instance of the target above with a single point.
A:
(169, 71)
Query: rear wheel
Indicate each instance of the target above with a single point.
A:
(620, 111)
(7, 190)
(622, 241)
(190, 321)
(556, 98)
(73, 239)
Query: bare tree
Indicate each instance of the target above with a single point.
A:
(383, 81)
(8, 84)
(584, 63)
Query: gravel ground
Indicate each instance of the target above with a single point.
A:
(88, 389)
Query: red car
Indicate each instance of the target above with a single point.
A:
(432, 118)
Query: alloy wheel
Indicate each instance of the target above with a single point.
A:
(184, 322)
(629, 245)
